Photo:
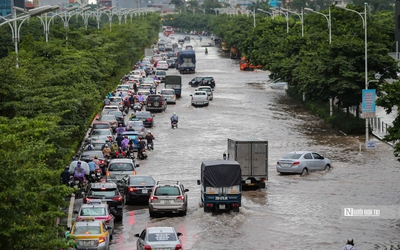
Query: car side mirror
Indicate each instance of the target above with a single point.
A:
(137, 165)
(68, 229)
(186, 190)
(191, 95)
(136, 235)
(109, 228)
(76, 212)
(198, 182)
(179, 234)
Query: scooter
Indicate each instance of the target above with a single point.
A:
(142, 154)
(97, 173)
(174, 124)
(137, 106)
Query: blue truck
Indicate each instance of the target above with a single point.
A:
(221, 185)
(175, 83)
(187, 62)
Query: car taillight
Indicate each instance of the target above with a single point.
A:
(103, 239)
(121, 103)
(117, 198)
(152, 198)
(131, 189)
(78, 218)
(180, 198)
(134, 173)
(101, 161)
(147, 247)
(149, 119)
(278, 163)
(178, 247)
(296, 163)
(108, 173)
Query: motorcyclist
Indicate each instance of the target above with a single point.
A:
(92, 166)
(96, 161)
(89, 145)
(206, 51)
(127, 104)
(349, 245)
(140, 98)
(124, 143)
(106, 150)
(79, 172)
(174, 118)
(120, 129)
(132, 99)
(150, 138)
(65, 175)
(114, 147)
(133, 115)
(120, 153)
(130, 128)
(130, 150)
(135, 88)
(141, 147)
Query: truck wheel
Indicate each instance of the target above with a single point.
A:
(235, 209)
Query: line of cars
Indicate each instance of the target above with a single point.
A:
(203, 93)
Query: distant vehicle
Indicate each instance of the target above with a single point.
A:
(169, 94)
(146, 117)
(162, 65)
(189, 47)
(160, 74)
(221, 188)
(196, 81)
(208, 81)
(187, 62)
(156, 102)
(138, 188)
(246, 66)
(159, 238)
(90, 231)
(187, 39)
(278, 84)
(168, 197)
(120, 167)
(174, 82)
(302, 162)
(199, 98)
(209, 91)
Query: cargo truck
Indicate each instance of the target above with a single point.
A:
(148, 52)
(175, 83)
(187, 61)
(252, 156)
(221, 188)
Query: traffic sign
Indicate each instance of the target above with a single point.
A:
(371, 145)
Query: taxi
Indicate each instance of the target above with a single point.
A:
(97, 209)
(91, 235)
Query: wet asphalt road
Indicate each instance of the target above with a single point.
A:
(293, 212)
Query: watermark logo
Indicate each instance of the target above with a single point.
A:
(370, 212)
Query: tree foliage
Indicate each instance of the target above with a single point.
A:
(45, 109)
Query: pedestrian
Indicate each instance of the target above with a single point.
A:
(349, 245)
(65, 175)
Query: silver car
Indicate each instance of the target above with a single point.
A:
(168, 197)
(209, 91)
(120, 167)
(302, 162)
(169, 94)
(159, 238)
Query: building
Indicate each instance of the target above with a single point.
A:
(5, 6)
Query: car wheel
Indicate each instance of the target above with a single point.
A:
(327, 167)
(126, 201)
(152, 214)
(304, 172)
(118, 218)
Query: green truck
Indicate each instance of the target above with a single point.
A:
(174, 82)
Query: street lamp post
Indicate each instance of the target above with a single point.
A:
(267, 12)
(287, 18)
(364, 20)
(300, 16)
(328, 19)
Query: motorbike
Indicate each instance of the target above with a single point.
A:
(137, 106)
(174, 124)
(206, 52)
(142, 154)
(126, 110)
(150, 146)
(78, 184)
(131, 154)
(97, 174)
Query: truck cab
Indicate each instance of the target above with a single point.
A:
(246, 66)
(221, 188)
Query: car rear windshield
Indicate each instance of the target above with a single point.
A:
(154, 98)
(87, 229)
(103, 193)
(167, 190)
(205, 89)
(208, 78)
(154, 237)
(101, 132)
(120, 167)
(161, 73)
(93, 211)
(168, 92)
(101, 126)
(143, 181)
(200, 93)
(292, 156)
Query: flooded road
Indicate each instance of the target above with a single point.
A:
(293, 212)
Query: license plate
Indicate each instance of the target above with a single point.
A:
(148, 104)
(221, 206)
(166, 201)
(93, 175)
(248, 181)
(286, 165)
(144, 191)
(87, 243)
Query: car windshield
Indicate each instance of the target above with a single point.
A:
(103, 193)
(93, 211)
(141, 180)
(208, 78)
(168, 92)
(101, 126)
(115, 99)
(154, 98)
(108, 117)
(87, 230)
(120, 167)
(292, 156)
(101, 132)
(154, 237)
(205, 89)
(110, 107)
(167, 191)
(143, 115)
(90, 153)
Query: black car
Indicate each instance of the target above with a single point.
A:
(137, 188)
(187, 38)
(195, 82)
(149, 70)
(171, 63)
(108, 192)
(146, 117)
(208, 81)
(171, 54)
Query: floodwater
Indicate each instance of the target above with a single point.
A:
(292, 212)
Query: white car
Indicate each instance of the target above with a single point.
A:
(162, 65)
(169, 94)
(199, 98)
(209, 91)
(159, 238)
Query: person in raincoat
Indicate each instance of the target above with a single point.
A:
(84, 165)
